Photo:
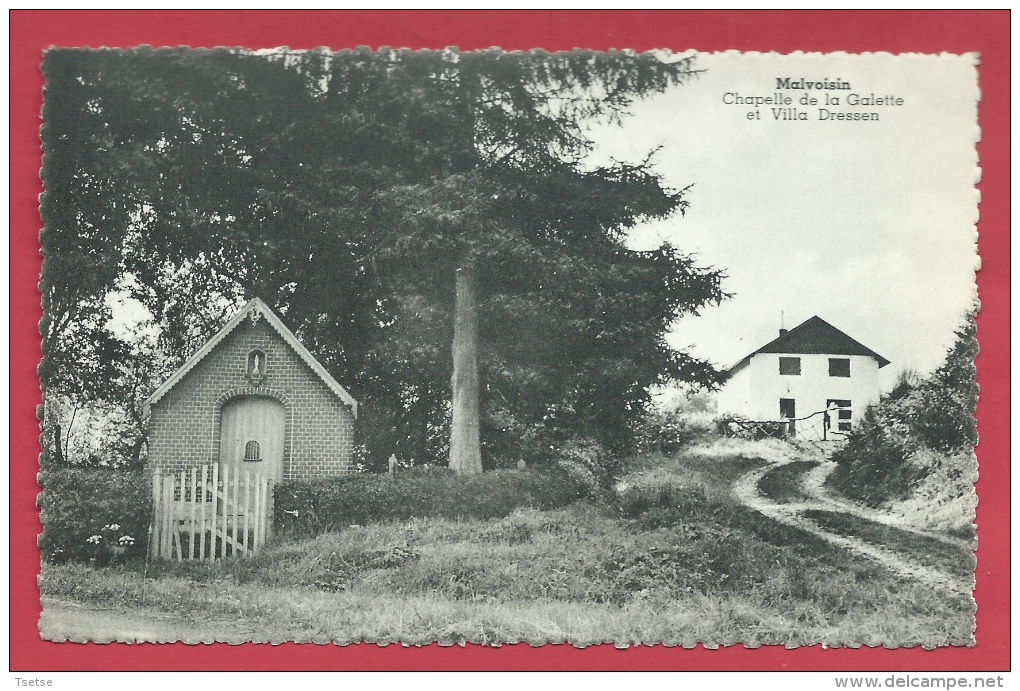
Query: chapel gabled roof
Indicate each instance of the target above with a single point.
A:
(255, 306)
(815, 336)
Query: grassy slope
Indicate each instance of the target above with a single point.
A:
(677, 562)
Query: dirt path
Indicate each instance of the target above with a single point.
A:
(746, 491)
(813, 484)
(69, 621)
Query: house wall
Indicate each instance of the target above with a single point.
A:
(754, 391)
(184, 425)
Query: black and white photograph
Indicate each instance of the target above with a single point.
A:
(482, 346)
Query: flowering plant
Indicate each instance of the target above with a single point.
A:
(111, 538)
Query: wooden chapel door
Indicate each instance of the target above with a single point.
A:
(252, 434)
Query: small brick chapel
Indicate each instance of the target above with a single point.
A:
(255, 399)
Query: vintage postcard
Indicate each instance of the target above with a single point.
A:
(490, 347)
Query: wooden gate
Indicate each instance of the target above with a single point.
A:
(207, 512)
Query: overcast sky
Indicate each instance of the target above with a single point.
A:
(869, 225)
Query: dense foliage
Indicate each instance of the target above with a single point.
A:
(346, 190)
(913, 430)
(679, 561)
(315, 506)
(82, 503)
(670, 427)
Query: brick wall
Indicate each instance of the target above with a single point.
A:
(184, 424)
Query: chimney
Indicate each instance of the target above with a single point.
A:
(782, 324)
(783, 332)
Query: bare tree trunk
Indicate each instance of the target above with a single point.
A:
(465, 446)
(58, 448)
(136, 452)
(67, 439)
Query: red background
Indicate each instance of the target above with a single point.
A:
(986, 32)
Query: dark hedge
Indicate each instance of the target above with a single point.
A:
(78, 503)
(316, 506)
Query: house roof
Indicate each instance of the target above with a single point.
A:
(256, 307)
(815, 336)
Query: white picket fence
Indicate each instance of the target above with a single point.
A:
(207, 512)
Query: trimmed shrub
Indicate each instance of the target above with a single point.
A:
(82, 503)
(312, 507)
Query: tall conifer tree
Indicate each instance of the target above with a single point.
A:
(415, 215)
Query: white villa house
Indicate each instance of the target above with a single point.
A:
(814, 376)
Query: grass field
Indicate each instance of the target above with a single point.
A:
(675, 559)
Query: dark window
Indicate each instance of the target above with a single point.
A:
(787, 407)
(252, 452)
(789, 365)
(839, 367)
(844, 414)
